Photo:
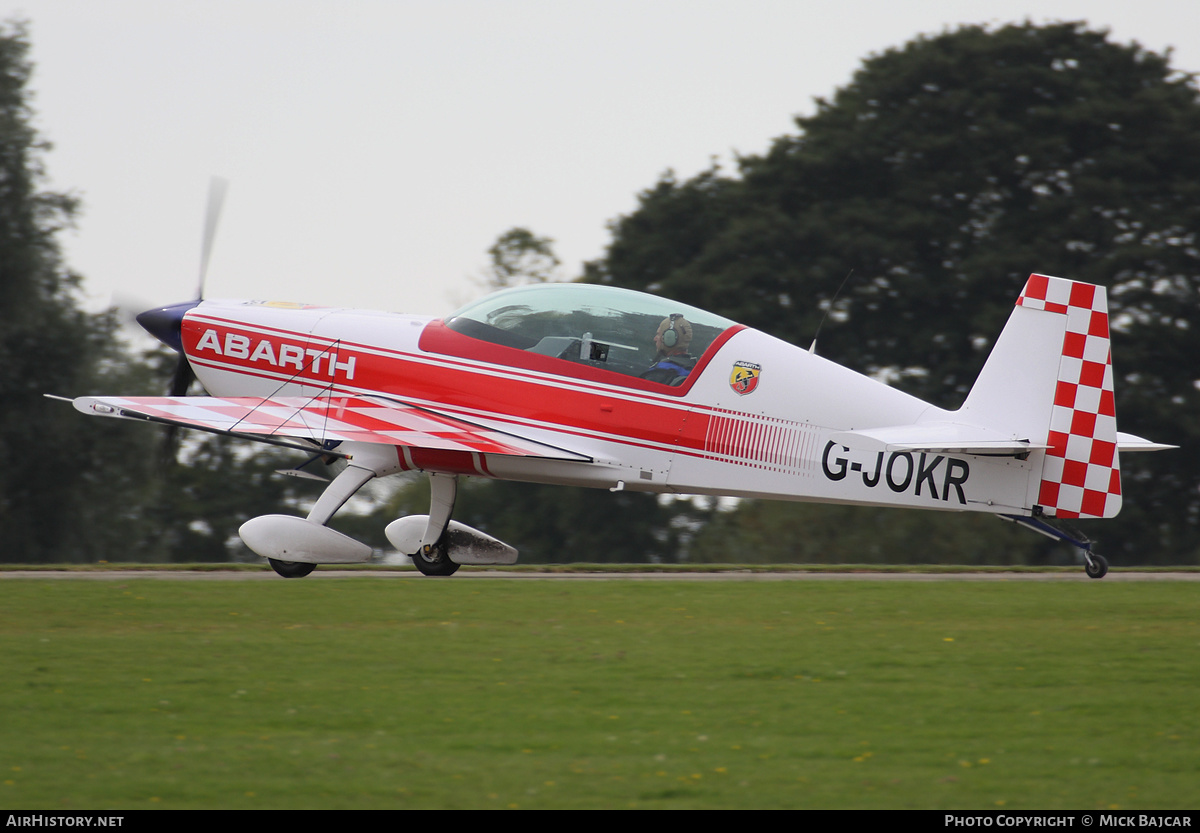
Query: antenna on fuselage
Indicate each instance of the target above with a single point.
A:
(812, 348)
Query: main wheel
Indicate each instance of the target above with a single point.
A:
(291, 569)
(435, 562)
(1097, 567)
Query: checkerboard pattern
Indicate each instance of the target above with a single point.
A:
(1081, 477)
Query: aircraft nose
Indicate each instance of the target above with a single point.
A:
(166, 323)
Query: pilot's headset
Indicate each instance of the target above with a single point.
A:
(670, 336)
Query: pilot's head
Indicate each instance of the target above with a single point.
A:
(674, 334)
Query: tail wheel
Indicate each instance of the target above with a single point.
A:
(1095, 566)
(291, 569)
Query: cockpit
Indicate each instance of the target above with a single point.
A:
(597, 328)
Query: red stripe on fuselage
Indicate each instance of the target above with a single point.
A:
(604, 404)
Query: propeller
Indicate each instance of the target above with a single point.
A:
(212, 215)
(166, 323)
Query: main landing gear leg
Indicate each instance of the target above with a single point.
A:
(432, 558)
(338, 492)
(1093, 564)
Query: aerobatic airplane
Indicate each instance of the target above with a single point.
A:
(596, 386)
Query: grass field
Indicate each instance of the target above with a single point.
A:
(491, 693)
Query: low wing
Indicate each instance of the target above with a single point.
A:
(323, 420)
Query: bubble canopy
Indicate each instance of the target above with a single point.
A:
(602, 327)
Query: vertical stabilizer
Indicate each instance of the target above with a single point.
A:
(1050, 379)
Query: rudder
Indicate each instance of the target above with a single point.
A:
(1081, 476)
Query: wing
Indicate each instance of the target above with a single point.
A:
(322, 420)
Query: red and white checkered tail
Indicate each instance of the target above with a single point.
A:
(1081, 475)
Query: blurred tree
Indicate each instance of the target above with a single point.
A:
(773, 532)
(221, 484)
(68, 489)
(79, 489)
(942, 175)
(519, 257)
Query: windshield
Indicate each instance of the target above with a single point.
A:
(604, 327)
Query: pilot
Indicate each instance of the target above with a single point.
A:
(672, 363)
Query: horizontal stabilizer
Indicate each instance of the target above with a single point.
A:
(937, 437)
(1128, 442)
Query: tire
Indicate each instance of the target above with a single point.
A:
(291, 569)
(1098, 568)
(435, 563)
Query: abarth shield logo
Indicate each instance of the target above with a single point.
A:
(744, 378)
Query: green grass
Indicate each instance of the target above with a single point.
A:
(485, 693)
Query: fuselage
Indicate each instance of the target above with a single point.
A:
(752, 419)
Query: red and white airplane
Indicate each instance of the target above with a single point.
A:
(588, 385)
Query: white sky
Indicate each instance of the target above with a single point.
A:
(377, 148)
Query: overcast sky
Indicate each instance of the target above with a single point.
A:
(377, 148)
